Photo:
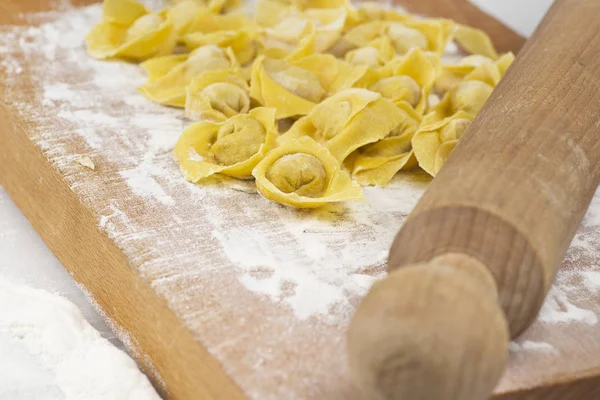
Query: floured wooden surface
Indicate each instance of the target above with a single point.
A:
(268, 290)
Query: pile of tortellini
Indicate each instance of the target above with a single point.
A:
(311, 98)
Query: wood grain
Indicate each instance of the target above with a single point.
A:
(511, 196)
(205, 336)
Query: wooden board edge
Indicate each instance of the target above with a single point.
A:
(185, 371)
(585, 387)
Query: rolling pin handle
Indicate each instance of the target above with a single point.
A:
(430, 331)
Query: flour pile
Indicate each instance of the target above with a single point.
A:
(48, 350)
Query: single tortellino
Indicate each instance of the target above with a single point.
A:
(348, 120)
(303, 174)
(475, 67)
(373, 11)
(293, 37)
(183, 14)
(329, 25)
(405, 38)
(468, 96)
(438, 32)
(408, 79)
(291, 90)
(434, 142)
(268, 13)
(475, 41)
(130, 31)
(453, 74)
(376, 54)
(377, 163)
(232, 147)
(235, 31)
(169, 76)
(216, 6)
(217, 95)
(334, 75)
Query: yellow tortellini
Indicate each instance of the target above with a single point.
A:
(358, 92)
(232, 147)
(428, 34)
(217, 95)
(235, 31)
(377, 163)
(169, 76)
(434, 141)
(348, 120)
(129, 30)
(376, 54)
(333, 74)
(214, 5)
(303, 174)
(475, 41)
(474, 67)
(409, 78)
(291, 38)
(290, 89)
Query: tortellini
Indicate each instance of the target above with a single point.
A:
(409, 78)
(348, 120)
(232, 147)
(377, 163)
(333, 74)
(168, 76)
(291, 38)
(475, 41)
(310, 98)
(474, 67)
(214, 5)
(434, 141)
(217, 95)
(429, 35)
(303, 174)
(235, 31)
(291, 90)
(128, 30)
(376, 54)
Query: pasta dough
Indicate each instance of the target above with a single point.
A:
(303, 174)
(232, 147)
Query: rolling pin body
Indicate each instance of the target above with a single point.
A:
(504, 208)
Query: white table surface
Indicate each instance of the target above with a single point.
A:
(25, 259)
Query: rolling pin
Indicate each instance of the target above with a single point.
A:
(472, 264)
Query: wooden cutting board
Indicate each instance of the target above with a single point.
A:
(216, 292)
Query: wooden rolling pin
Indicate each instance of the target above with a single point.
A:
(474, 261)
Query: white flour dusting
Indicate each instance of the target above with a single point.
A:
(558, 308)
(65, 357)
(591, 280)
(268, 290)
(525, 345)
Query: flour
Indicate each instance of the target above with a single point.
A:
(591, 280)
(65, 357)
(232, 266)
(528, 345)
(558, 308)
